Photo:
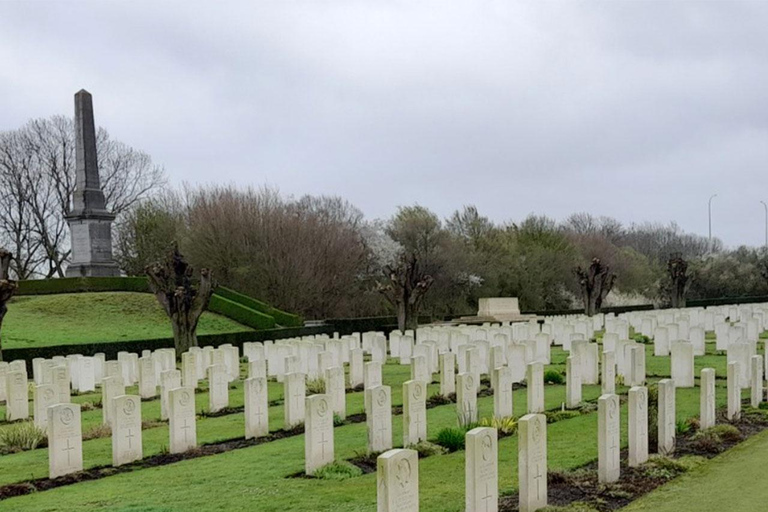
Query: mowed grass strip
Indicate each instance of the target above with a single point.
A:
(77, 318)
(729, 482)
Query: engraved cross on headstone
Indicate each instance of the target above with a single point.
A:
(69, 449)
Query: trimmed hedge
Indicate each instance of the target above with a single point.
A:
(372, 323)
(723, 301)
(83, 284)
(281, 317)
(240, 313)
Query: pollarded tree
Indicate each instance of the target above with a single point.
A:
(404, 288)
(7, 288)
(596, 283)
(677, 269)
(171, 282)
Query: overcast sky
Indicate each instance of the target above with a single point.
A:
(638, 110)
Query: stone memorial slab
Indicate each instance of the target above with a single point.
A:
(502, 392)
(466, 398)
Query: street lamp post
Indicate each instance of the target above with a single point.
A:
(710, 219)
(766, 221)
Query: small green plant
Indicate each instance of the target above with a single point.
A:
(506, 425)
(97, 431)
(587, 407)
(427, 449)
(727, 433)
(645, 340)
(451, 438)
(553, 377)
(315, 387)
(619, 381)
(337, 421)
(87, 406)
(682, 427)
(21, 436)
(555, 416)
(467, 419)
(338, 470)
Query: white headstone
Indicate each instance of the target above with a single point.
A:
(397, 481)
(218, 387)
(535, 383)
(734, 390)
(638, 425)
(608, 438)
(572, 383)
(447, 373)
(65, 440)
(45, 396)
(756, 397)
(502, 392)
(667, 422)
(707, 399)
(318, 433)
(466, 398)
(608, 377)
(372, 375)
(334, 388)
(482, 470)
(256, 407)
(126, 429)
(294, 392)
(181, 419)
(532, 462)
(111, 387)
(378, 417)
(682, 364)
(414, 412)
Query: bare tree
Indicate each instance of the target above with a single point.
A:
(596, 283)
(37, 169)
(404, 288)
(171, 282)
(677, 269)
(7, 288)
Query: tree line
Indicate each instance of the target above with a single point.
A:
(320, 257)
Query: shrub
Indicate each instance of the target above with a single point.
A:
(315, 387)
(337, 421)
(553, 377)
(506, 425)
(466, 420)
(97, 431)
(338, 471)
(587, 407)
(727, 433)
(451, 438)
(707, 442)
(21, 436)
(427, 449)
(645, 340)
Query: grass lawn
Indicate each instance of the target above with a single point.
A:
(254, 478)
(39, 320)
(731, 482)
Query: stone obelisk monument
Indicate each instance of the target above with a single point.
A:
(90, 224)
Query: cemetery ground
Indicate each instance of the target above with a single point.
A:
(68, 318)
(265, 476)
